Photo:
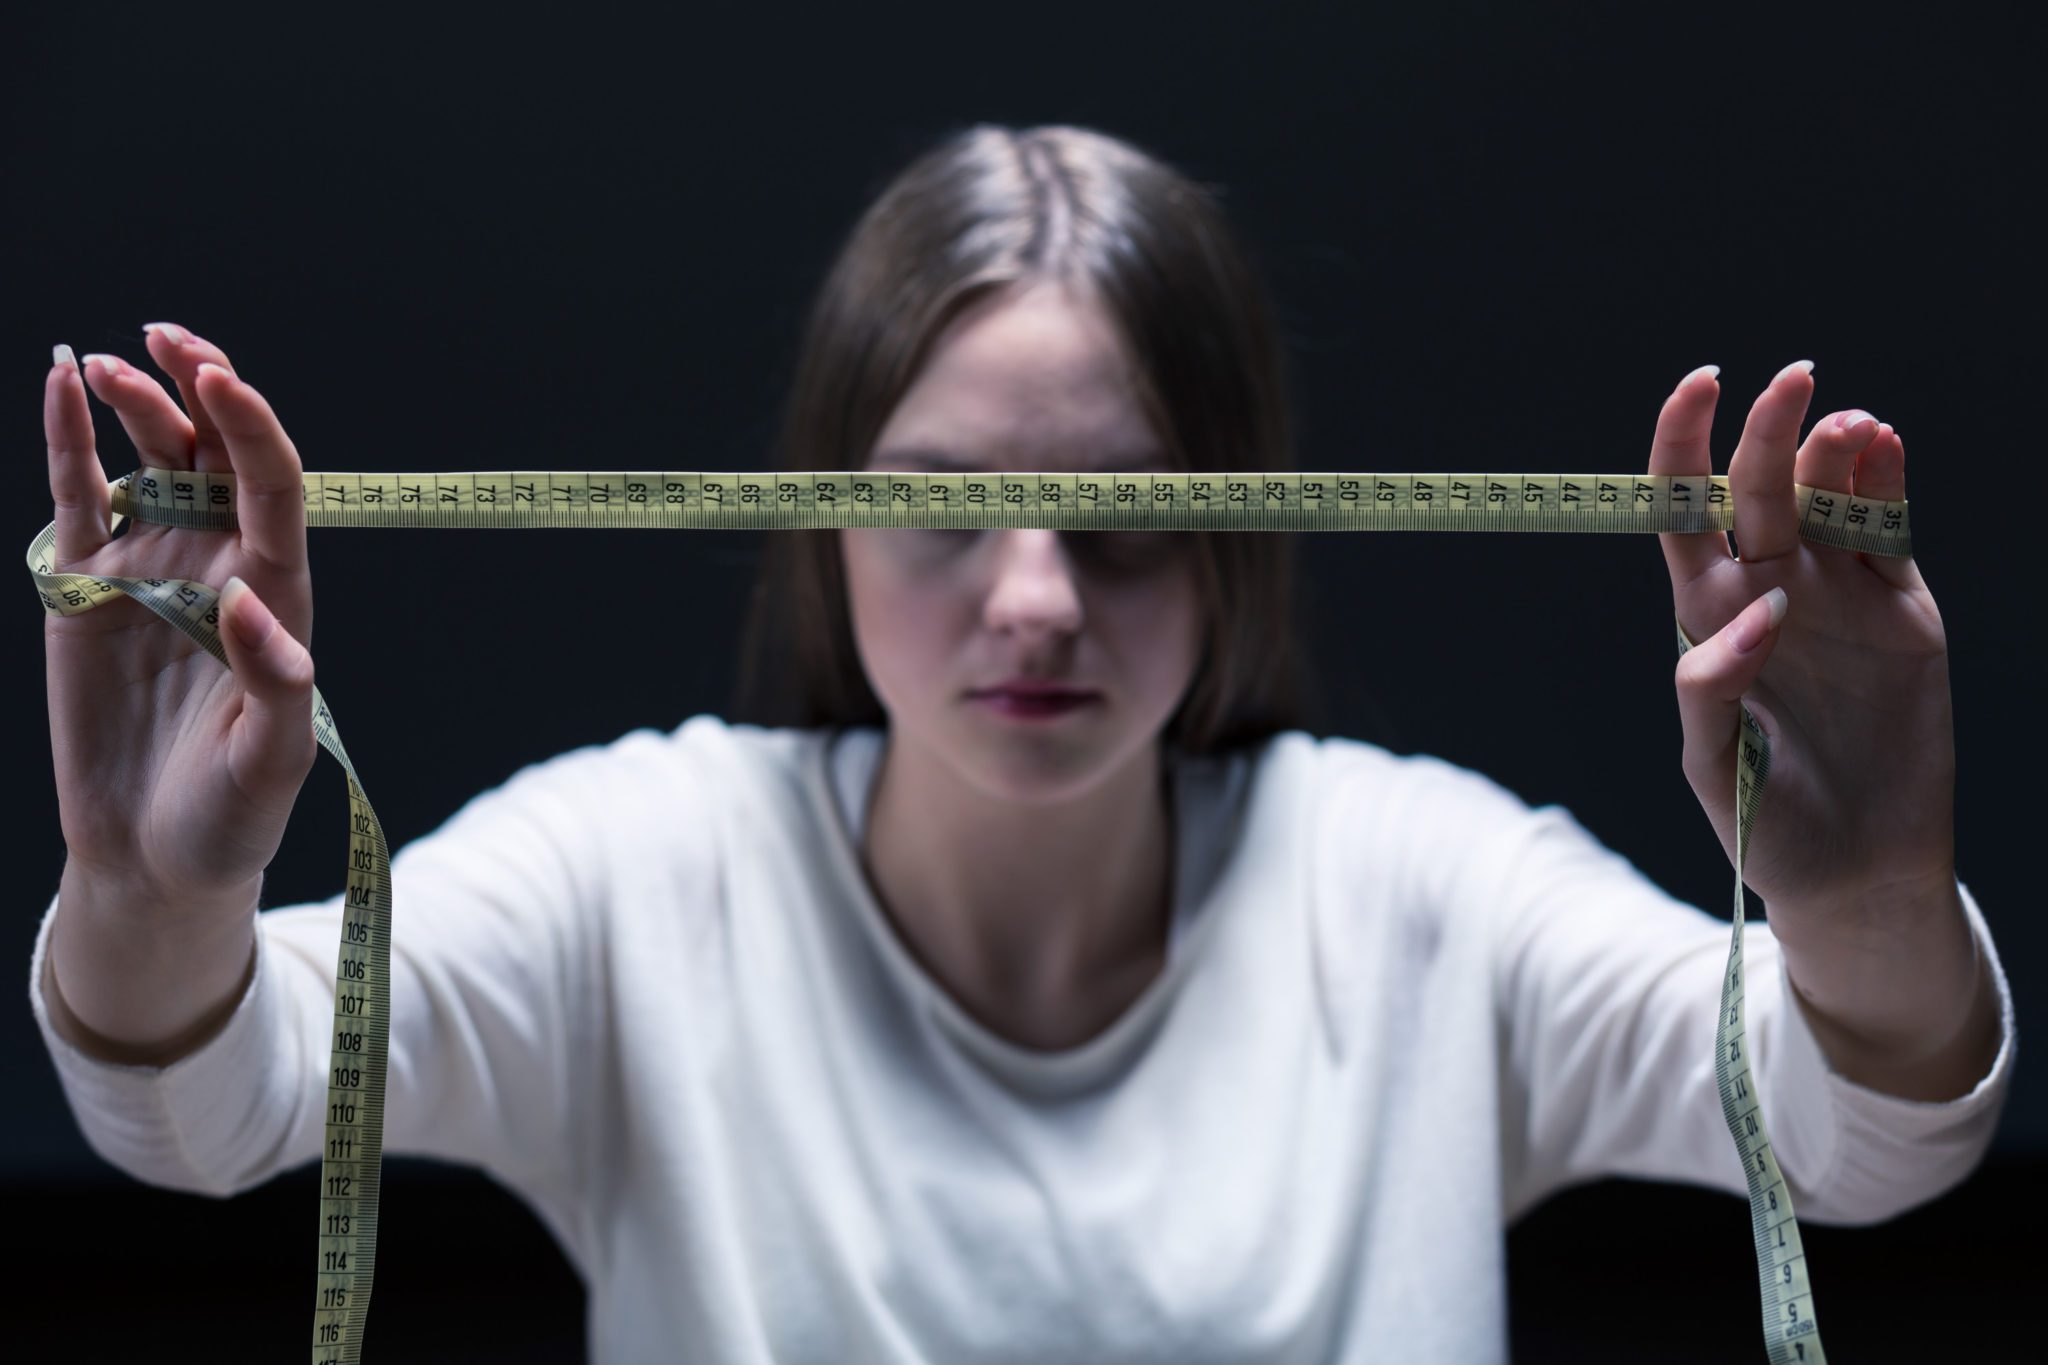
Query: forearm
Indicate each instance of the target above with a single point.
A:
(128, 978)
(1898, 995)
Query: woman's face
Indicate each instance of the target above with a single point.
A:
(1032, 379)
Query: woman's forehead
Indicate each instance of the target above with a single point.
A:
(1025, 375)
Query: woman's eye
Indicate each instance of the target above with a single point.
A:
(1128, 547)
(1114, 548)
(945, 535)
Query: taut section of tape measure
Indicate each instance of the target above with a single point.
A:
(821, 500)
(352, 1150)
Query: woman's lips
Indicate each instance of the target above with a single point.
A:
(1033, 705)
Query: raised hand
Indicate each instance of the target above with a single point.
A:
(1851, 684)
(175, 777)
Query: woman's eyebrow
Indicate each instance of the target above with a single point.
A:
(927, 458)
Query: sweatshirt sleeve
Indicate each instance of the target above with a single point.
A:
(1609, 992)
(488, 994)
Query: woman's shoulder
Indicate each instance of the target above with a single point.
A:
(705, 740)
(654, 774)
(1356, 778)
(1432, 829)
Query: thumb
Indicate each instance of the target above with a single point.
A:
(1711, 678)
(273, 741)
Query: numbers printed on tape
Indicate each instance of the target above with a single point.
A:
(352, 1152)
(825, 499)
(1790, 1331)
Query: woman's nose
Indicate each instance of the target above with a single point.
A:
(1034, 587)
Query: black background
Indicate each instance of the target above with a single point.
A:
(585, 238)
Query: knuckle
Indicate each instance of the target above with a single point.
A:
(248, 487)
(1698, 762)
(298, 673)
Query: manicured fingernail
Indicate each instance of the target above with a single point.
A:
(1804, 366)
(109, 365)
(1714, 370)
(1853, 419)
(173, 333)
(220, 370)
(60, 354)
(1746, 636)
(250, 632)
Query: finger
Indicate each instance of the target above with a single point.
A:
(162, 434)
(181, 354)
(1711, 679)
(269, 487)
(1881, 475)
(1827, 460)
(272, 744)
(1881, 466)
(1760, 473)
(78, 486)
(1682, 446)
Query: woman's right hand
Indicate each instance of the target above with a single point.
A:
(175, 777)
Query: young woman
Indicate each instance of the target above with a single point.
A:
(1042, 991)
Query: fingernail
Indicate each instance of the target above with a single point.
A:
(1714, 370)
(1804, 366)
(1746, 637)
(173, 333)
(238, 617)
(1853, 419)
(111, 365)
(60, 354)
(220, 370)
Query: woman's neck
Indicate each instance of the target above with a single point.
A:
(1044, 923)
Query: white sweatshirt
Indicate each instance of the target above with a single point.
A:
(647, 986)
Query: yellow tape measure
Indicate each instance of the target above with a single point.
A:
(818, 500)
(1790, 1331)
(352, 1153)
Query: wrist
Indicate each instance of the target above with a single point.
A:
(121, 899)
(133, 977)
(1852, 919)
(1903, 1002)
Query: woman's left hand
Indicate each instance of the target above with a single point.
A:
(1858, 813)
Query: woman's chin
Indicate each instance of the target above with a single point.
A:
(1039, 767)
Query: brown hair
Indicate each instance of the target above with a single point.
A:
(990, 207)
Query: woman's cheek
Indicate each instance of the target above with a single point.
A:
(1154, 622)
(900, 613)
